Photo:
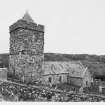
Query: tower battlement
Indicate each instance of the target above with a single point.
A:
(23, 24)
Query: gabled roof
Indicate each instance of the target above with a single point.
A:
(27, 17)
(74, 69)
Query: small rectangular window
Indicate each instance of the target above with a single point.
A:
(60, 79)
(49, 79)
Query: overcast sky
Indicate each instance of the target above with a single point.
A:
(71, 26)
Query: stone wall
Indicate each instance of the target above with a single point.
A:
(3, 73)
(26, 50)
(75, 81)
(26, 41)
(55, 78)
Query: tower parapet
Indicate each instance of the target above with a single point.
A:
(23, 24)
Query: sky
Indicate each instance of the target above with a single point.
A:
(71, 26)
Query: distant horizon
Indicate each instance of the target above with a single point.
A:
(66, 53)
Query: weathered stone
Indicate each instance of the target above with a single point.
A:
(26, 49)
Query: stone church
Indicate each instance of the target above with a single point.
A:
(26, 57)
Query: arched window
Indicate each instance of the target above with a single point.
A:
(49, 79)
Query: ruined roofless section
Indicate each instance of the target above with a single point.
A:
(26, 22)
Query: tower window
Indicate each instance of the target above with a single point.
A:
(60, 78)
(86, 83)
(49, 79)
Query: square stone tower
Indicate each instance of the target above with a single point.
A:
(26, 49)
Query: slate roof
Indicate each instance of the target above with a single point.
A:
(75, 69)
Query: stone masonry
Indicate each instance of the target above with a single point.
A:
(26, 49)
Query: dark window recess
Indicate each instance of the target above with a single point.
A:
(23, 52)
(60, 78)
(49, 79)
(86, 83)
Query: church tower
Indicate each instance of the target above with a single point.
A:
(26, 49)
